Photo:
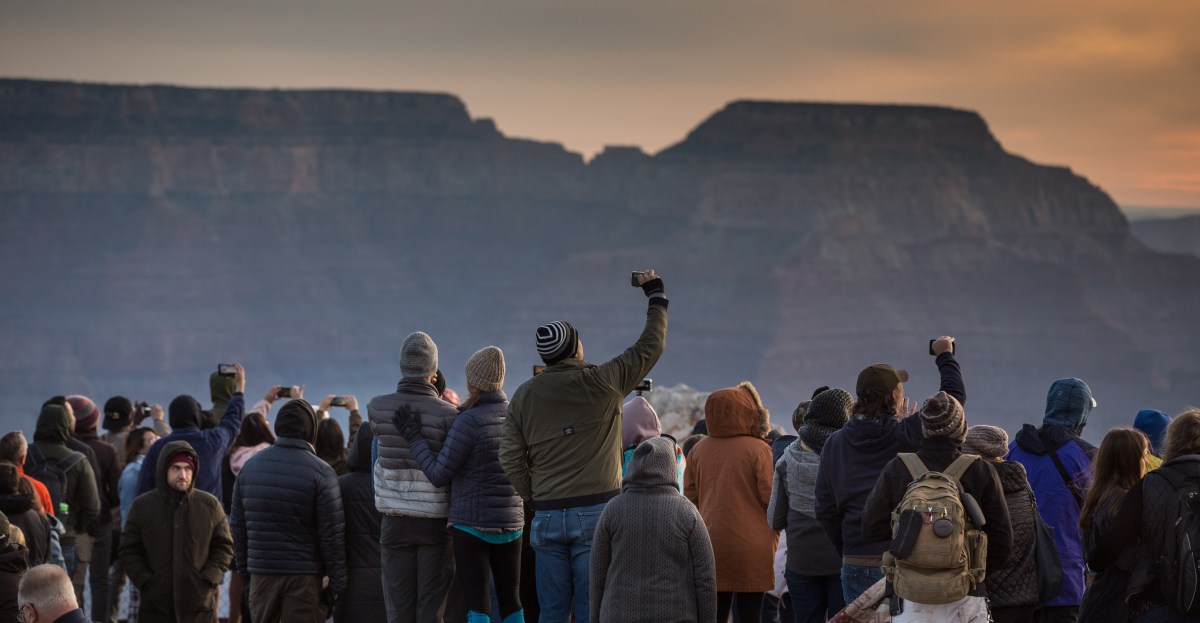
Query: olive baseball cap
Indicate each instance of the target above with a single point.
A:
(878, 380)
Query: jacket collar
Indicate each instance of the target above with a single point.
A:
(414, 385)
(486, 398)
(290, 442)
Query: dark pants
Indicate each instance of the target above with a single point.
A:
(92, 556)
(1058, 614)
(529, 596)
(477, 562)
(286, 599)
(815, 598)
(749, 606)
(1015, 614)
(418, 567)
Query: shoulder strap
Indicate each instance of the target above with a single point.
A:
(1174, 474)
(35, 455)
(70, 461)
(960, 465)
(914, 464)
(1062, 472)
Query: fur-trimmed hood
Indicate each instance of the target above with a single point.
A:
(735, 411)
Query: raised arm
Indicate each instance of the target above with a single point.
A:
(625, 371)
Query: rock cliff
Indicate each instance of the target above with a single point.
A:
(153, 231)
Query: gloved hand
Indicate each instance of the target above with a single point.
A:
(408, 421)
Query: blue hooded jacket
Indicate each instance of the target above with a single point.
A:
(1067, 406)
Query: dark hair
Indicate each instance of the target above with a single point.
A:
(331, 443)
(690, 443)
(12, 446)
(56, 400)
(135, 443)
(1120, 463)
(875, 408)
(9, 478)
(255, 431)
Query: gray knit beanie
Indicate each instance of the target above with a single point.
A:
(485, 369)
(827, 413)
(418, 356)
(943, 416)
(990, 442)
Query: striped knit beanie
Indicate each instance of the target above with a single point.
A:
(943, 416)
(556, 341)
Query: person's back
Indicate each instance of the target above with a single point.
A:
(21, 510)
(363, 600)
(288, 524)
(652, 560)
(1060, 493)
(184, 414)
(13, 563)
(78, 494)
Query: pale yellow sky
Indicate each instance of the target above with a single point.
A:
(1109, 88)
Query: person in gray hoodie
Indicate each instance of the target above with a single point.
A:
(813, 570)
(652, 560)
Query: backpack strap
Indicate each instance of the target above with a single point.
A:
(35, 455)
(71, 460)
(1062, 471)
(1175, 473)
(960, 465)
(914, 464)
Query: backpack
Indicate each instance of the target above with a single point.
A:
(1179, 562)
(937, 554)
(53, 474)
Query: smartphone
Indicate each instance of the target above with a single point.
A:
(284, 392)
(953, 343)
(226, 369)
(635, 278)
(338, 401)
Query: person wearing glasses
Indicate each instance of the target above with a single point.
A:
(46, 595)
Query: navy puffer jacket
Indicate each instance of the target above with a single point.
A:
(287, 514)
(480, 494)
(363, 600)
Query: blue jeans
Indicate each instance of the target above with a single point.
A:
(562, 540)
(856, 579)
(815, 598)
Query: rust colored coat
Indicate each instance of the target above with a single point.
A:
(728, 478)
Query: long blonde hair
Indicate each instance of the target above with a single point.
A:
(1183, 435)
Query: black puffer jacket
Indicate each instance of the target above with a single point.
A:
(18, 507)
(363, 600)
(287, 508)
(12, 567)
(480, 494)
(1014, 583)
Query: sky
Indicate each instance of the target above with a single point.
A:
(1110, 88)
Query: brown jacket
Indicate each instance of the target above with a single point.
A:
(175, 548)
(728, 478)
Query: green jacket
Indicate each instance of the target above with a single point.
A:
(562, 436)
(176, 547)
(54, 428)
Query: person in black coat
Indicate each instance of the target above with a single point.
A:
(363, 600)
(288, 525)
(945, 428)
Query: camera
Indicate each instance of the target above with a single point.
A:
(284, 392)
(338, 401)
(227, 369)
(636, 277)
(645, 386)
(142, 409)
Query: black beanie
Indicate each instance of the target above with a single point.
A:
(118, 413)
(184, 412)
(297, 420)
(827, 413)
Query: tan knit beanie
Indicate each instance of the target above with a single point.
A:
(485, 370)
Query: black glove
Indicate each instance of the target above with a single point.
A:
(408, 422)
(654, 288)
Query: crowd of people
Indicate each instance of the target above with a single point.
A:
(568, 503)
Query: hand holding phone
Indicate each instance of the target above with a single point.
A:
(944, 344)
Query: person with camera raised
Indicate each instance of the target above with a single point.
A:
(562, 447)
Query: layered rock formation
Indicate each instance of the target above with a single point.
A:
(151, 232)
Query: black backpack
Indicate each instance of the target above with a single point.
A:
(1179, 562)
(53, 474)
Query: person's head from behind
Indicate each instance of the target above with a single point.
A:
(1068, 404)
(181, 468)
(558, 341)
(255, 431)
(1153, 424)
(14, 447)
(419, 357)
(45, 594)
(1183, 435)
(690, 443)
(880, 390)
(184, 412)
(330, 440)
(139, 442)
(1119, 464)
(297, 420)
(827, 413)
(485, 373)
(118, 414)
(10, 479)
(990, 443)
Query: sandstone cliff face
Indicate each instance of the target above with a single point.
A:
(153, 231)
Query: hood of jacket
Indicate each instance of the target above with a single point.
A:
(1013, 478)
(184, 412)
(171, 449)
(1153, 423)
(359, 459)
(639, 422)
(1068, 404)
(736, 411)
(13, 558)
(53, 425)
(220, 390)
(297, 420)
(1040, 441)
(870, 435)
(652, 465)
(15, 503)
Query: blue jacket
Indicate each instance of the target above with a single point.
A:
(210, 445)
(127, 485)
(480, 494)
(853, 458)
(1057, 505)
(287, 514)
